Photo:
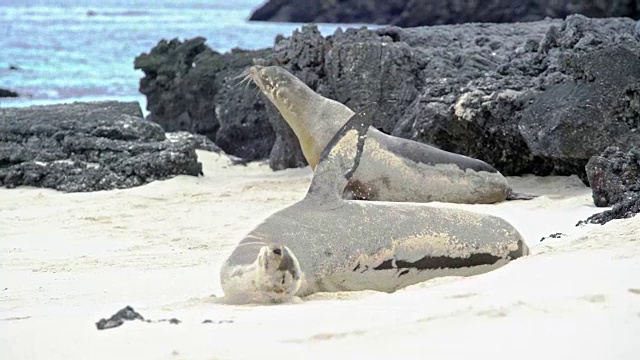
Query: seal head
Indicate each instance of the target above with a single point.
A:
(280, 87)
(306, 112)
(278, 273)
(259, 273)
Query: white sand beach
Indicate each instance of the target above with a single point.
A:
(68, 260)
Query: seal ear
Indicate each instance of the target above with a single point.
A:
(341, 157)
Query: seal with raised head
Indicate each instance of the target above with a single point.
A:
(392, 168)
(325, 243)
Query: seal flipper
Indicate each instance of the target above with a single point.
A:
(341, 157)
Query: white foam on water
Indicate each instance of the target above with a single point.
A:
(86, 48)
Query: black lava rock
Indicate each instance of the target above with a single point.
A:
(538, 97)
(193, 88)
(125, 314)
(552, 236)
(8, 93)
(199, 142)
(614, 175)
(407, 13)
(88, 147)
(623, 210)
(128, 314)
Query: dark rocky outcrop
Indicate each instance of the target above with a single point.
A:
(614, 177)
(128, 314)
(8, 93)
(87, 147)
(540, 97)
(622, 210)
(407, 13)
(199, 142)
(125, 314)
(193, 88)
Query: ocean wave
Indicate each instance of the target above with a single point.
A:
(132, 13)
(63, 53)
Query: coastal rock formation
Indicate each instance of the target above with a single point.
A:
(407, 13)
(193, 88)
(199, 142)
(614, 177)
(627, 208)
(87, 147)
(8, 93)
(540, 97)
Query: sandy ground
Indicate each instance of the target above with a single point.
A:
(68, 260)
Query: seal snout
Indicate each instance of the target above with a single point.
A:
(255, 69)
(256, 74)
(253, 72)
(279, 273)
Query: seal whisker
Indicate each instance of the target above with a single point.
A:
(246, 80)
(244, 76)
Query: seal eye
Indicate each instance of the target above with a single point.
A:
(277, 251)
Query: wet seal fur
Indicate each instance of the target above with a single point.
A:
(392, 168)
(325, 243)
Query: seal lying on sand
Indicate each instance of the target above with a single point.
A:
(392, 168)
(327, 243)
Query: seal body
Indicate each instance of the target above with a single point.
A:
(380, 246)
(392, 168)
(326, 243)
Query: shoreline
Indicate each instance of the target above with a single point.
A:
(73, 258)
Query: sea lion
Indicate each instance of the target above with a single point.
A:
(392, 168)
(325, 243)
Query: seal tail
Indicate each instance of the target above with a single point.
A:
(520, 196)
(341, 157)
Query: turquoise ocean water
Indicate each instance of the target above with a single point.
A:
(68, 50)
